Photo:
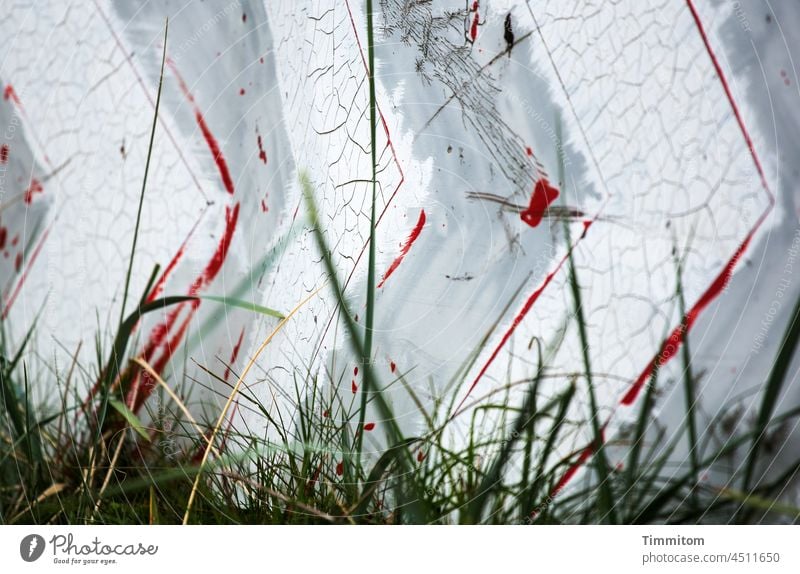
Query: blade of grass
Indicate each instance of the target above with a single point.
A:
(370, 312)
(775, 382)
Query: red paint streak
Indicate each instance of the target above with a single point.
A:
(211, 141)
(3, 235)
(10, 94)
(262, 155)
(160, 331)
(340, 469)
(517, 320)
(4, 153)
(353, 387)
(18, 262)
(264, 206)
(369, 426)
(698, 22)
(34, 188)
(412, 237)
(213, 267)
(234, 353)
(159, 286)
(562, 482)
(672, 344)
(543, 195)
(24, 276)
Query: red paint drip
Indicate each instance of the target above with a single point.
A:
(234, 353)
(10, 94)
(4, 153)
(262, 155)
(264, 206)
(543, 195)
(353, 387)
(3, 236)
(34, 188)
(355, 371)
(211, 141)
(18, 262)
(406, 247)
(676, 338)
(392, 366)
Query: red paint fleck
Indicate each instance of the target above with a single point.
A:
(15, 240)
(420, 456)
(543, 195)
(353, 387)
(392, 366)
(326, 413)
(261, 60)
(670, 347)
(4, 153)
(369, 426)
(18, 262)
(262, 155)
(211, 141)
(529, 151)
(340, 469)
(10, 94)
(21, 281)
(241, 91)
(405, 248)
(234, 353)
(264, 206)
(244, 17)
(355, 371)
(34, 188)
